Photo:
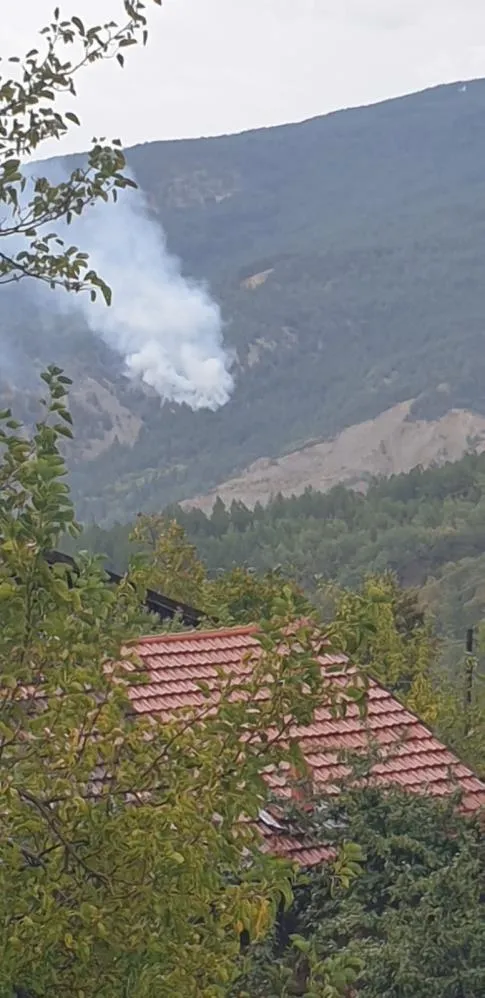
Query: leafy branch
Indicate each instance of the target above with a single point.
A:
(28, 117)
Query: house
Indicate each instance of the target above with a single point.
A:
(176, 663)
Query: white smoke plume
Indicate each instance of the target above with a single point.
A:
(167, 328)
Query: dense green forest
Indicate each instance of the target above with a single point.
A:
(371, 226)
(427, 526)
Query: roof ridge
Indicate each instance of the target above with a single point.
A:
(194, 634)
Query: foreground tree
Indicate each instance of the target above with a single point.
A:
(165, 560)
(29, 116)
(411, 925)
(243, 597)
(124, 866)
(398, 646)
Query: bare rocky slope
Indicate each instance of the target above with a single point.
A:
(384, 446)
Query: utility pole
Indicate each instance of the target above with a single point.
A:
(470, 666)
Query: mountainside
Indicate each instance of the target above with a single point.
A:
(348, 255)
(389, 444)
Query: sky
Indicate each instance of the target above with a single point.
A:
(218, 66)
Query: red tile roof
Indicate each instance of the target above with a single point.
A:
(414, 758)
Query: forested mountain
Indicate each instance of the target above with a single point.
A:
(348, 254)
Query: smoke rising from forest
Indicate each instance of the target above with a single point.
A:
(167, 328)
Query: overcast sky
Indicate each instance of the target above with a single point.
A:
(215, 66)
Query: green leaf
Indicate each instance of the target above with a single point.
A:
(106, 292)
(300, 943)
(64, 431)
(7, 590)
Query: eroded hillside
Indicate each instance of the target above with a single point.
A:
(381, 447)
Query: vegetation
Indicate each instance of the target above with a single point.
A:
(114, 876)
(410, 926)
(29, 116)
(398, 647)
(428, 527)
(165, 560)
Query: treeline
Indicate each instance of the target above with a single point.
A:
(425, 526)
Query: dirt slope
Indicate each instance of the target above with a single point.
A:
(389, 444)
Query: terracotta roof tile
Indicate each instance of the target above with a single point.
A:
(176, 663)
